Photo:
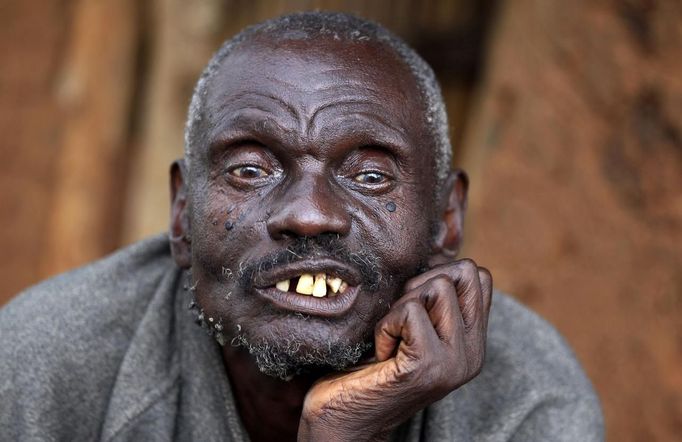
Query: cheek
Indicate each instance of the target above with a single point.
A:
(222, 229)
(397, 230)
(216, 271)
(224, 234)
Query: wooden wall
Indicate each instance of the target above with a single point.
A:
(575, 148)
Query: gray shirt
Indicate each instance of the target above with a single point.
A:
(110, 352)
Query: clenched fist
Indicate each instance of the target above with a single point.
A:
(431, 342)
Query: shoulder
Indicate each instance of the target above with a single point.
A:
(77, 306)
(521, 343)
(63, 340)
(531, 387)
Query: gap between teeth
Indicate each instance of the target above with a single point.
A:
(314, 285)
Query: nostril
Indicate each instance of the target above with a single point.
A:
(308, 212)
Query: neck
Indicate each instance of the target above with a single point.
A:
(270, 408)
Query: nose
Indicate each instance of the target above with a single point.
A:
(309, 207)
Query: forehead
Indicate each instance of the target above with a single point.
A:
(306, 77)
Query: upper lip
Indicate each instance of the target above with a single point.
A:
(328, 266)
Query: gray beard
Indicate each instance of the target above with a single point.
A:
(288, 358)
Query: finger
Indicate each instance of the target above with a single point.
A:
(468, 286)
(486, 291)
(465, 277)
(476, 318)
(471, 295)
(452, 269)
(407, 324)
(439, 298)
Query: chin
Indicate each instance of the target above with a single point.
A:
(297, 344)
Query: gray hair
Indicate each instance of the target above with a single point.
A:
(340, 26)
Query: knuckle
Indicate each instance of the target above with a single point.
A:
(468, 269)
(414, 371)
(485, 276)
(379, 326)
(440, 284)
(467, 264)
(440, 288)
(412, 306)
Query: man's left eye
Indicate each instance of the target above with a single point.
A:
(249, 172)
(370, 178)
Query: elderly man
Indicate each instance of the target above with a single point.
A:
(314, 225)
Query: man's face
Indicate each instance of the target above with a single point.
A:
(315, 161)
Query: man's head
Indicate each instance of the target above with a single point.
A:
(316, 145)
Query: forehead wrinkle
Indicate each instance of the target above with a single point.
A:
(353, 92)
(378, 127)
(246, 122)
(347, 87)
(370, 111)
(229, 100)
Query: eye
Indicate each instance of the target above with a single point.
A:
(249, 171)
(371, 177)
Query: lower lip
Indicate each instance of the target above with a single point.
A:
(328, 306)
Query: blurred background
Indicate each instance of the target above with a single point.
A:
(566, 114)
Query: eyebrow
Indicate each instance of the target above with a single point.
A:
(363, 105)
(240, 127)
(257, 121)
(378, 128)
(243, 125)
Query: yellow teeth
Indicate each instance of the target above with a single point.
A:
(334, 284)
(305, 284)
(320, 286)
(283, 285)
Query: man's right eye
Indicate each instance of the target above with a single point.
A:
(249, 172)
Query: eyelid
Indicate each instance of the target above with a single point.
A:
(249, 152)
(379, 172)
(239, 166)
(380, 188)
(369, 159)
(395, 154)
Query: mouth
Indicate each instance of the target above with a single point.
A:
(321, 288)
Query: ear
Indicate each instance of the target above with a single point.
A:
(179, 234)
(448, 237)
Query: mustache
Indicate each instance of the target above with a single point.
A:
(326, 245)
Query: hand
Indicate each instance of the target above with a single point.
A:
(431, 342)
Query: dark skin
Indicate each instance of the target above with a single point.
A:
(308, 138)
